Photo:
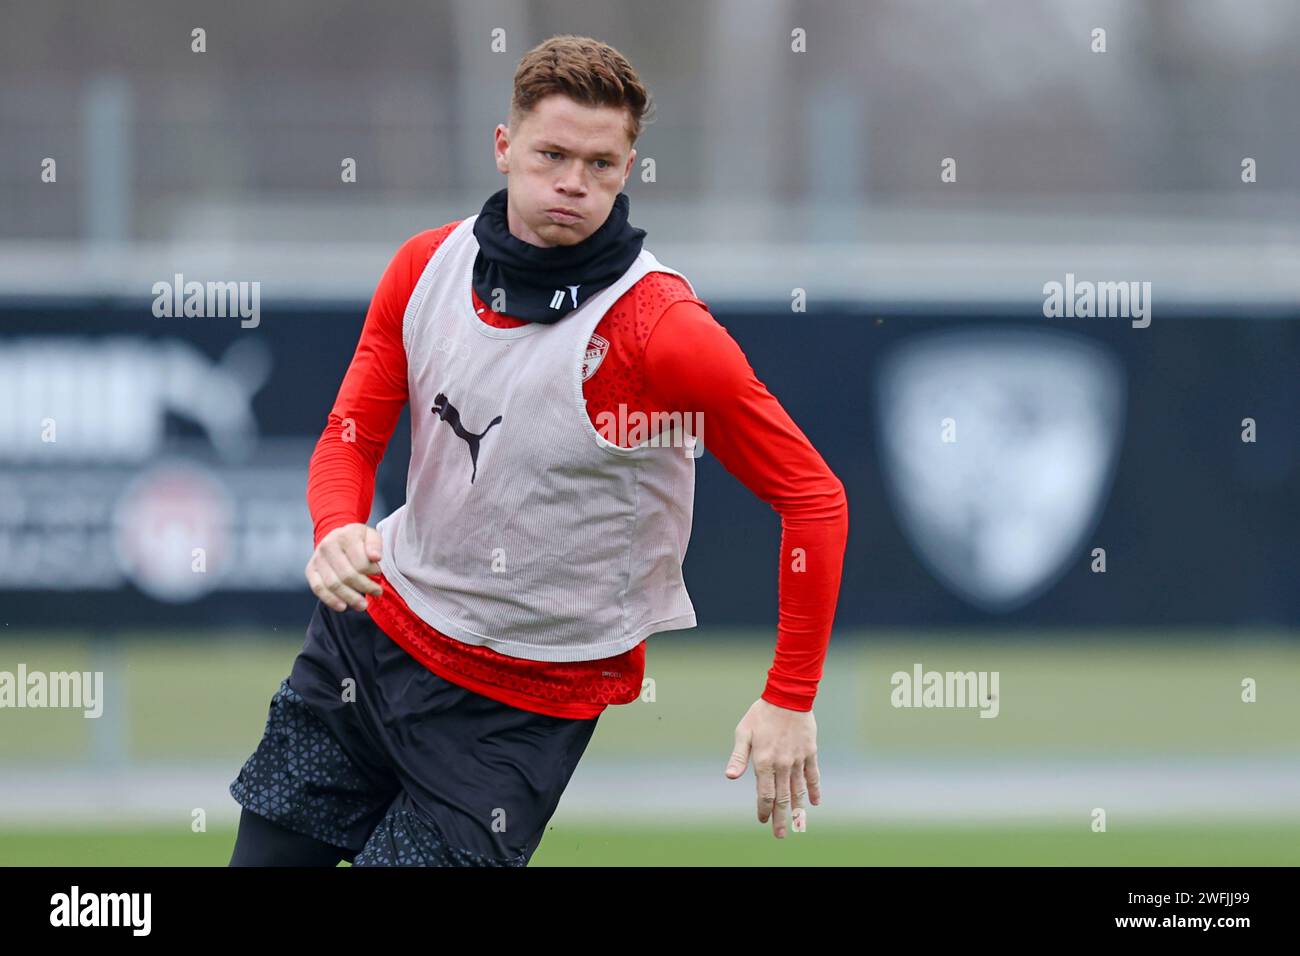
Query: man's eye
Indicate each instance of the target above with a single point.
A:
(548, 153)
(607, 163)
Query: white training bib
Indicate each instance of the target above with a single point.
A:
(524, 529)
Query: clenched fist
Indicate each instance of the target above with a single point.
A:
(338, 569)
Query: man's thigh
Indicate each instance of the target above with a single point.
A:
(464, 779)
(480, 779)
(317, 770)
(301, 778)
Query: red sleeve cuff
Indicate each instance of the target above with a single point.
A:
(801, 702)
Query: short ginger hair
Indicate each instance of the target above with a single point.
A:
(586, 70)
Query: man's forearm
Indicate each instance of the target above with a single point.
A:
(340, 482)
(813, 540)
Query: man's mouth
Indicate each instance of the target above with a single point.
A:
(560, 214)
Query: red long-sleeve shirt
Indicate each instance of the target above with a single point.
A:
(665, 353)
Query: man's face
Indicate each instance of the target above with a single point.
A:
(562, 156)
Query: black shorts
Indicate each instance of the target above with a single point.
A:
(367, 749)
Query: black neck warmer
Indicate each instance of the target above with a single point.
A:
(533, 275)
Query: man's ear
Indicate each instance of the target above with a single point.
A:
(500, 149)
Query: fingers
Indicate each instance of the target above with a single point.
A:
(329, 573)
(782, 807)
(374, 545)
(347, 557)
(340, 568)
(354, 551)
(782, 746)
(347, 582)
(341, 593)
(323, 587)
(739, 753)
(813, 777)
(798, 795)
(765, 781)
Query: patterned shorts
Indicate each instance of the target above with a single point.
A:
(368, 750)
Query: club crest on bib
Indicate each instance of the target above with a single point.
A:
(596, 349)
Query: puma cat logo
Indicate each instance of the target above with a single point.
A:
(447, 412)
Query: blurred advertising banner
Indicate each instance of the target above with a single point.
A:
(1011, 468)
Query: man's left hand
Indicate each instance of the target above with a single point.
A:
(783, 745)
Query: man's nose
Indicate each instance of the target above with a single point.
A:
(573, 180)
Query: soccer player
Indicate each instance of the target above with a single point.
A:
(462, 650)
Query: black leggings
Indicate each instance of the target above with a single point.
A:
(263, 843)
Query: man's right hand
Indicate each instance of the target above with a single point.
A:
(338, 569)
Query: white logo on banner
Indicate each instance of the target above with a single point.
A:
(998, 450)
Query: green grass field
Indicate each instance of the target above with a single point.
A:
(691, 845)
(1068, 697)
(1070, 694)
